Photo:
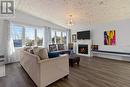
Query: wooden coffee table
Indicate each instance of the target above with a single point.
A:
(73, 58)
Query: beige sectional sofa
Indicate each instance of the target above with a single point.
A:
(46, 71)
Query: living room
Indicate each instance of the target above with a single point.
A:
(64, 43)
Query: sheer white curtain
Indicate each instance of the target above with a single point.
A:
(11, 50)
(40, 37)
(12, 53)
(47, 36)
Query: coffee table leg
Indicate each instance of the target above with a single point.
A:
(72, 64)
(78, 63)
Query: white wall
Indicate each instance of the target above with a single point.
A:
(122, 28)
(122, 36)
(3, 37)
(27, 19)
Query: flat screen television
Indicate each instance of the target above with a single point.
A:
(83, 35)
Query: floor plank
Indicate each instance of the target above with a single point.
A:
(92, 72)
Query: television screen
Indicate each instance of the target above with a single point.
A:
(83, 35)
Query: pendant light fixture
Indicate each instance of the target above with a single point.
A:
(70, 22)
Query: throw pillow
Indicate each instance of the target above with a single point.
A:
(26, 49)
(36, 50)
(53, 54)
(43, 54)
(60, 46)
(52, 47)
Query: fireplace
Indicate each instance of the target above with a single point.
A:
(83, 49)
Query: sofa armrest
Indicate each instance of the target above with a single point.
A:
(53, 69)
(30, 63)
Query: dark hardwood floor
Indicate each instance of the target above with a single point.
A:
(92, 72)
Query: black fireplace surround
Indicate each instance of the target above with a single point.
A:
(83, 49)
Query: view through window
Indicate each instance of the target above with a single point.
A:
(16, 33)
(33, 36)
(64, 37)
(39, 37)
(28, 36)
(53, 37)
(58, 37)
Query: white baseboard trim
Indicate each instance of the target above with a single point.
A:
(115, 57)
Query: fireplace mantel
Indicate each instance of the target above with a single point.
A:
(84, 42)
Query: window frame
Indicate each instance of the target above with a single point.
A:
(36, 28)
(23, 33)
(60, 37)
(54, 36)
(43, 37)
(11, 28)
(61, 41)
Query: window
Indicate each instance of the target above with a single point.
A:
(58, 37)
(53, 36)
(64, 37)
(16, 34)
(39, 37)
(29, 36)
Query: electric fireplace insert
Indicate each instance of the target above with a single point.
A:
(83, 49)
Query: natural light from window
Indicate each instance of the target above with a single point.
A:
(40, 36)
(34, 36)
(29, 36)
(16, 33)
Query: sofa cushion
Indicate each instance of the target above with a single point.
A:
(53, 54)
(34, 47)
(60, 46)
(52, 47)
(36, 50)
(31, 51)
(27, 49)
(41, 52)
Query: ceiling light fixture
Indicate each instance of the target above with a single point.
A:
(70, 22)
